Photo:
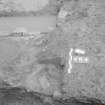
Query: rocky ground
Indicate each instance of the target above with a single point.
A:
(35, 72)
(29, 8)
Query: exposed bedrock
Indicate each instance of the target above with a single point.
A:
(43, 67)
(36, 67)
